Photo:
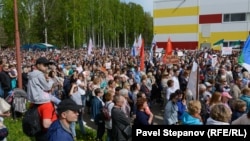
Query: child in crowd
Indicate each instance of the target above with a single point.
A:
(40, 85)
(239, 108)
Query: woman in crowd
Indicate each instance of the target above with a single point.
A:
(171, 110)
(192, 116)
(97, 105)
(219, 115)
(142, 118)
(215, 99)
(76, 97)
(109, 104)
(144, 87)
(182, 106)
(171, 89)
(126, 107)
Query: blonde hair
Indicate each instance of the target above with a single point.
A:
(245, 74)
(194, 106)
(220, 112)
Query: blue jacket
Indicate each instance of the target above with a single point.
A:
(187, 119)
(181, 109)
(56, 132)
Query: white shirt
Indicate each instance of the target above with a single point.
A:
(79, 69)
(176, 82)
(170, 90)
(80, 90)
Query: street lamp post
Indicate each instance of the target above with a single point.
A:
(17, 42)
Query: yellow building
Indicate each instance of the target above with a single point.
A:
(199, 23)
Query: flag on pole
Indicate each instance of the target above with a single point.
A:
(193, 79)
(244, 59)
(139, 44)
(90, 47)
(152, 49)
(103, 47)
(142, 64)
(218, 45)
(169, 47)
(236, 44)
(168, 50)
(133, 50)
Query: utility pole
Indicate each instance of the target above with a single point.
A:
(17, 42)
(45, 23)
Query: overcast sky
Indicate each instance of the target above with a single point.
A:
(146, 4)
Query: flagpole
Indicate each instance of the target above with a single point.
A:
(197, 82)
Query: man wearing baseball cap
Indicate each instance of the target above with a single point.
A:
(38, 92)
(67, 112)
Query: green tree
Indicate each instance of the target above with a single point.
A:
(72, 23)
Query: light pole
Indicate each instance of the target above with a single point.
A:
(45, 23)
(17, 42)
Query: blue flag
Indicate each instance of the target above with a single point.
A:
(244, 59)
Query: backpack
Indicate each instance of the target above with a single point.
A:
(105, 112)
(31, 122)
(3, 131)
(66, 86)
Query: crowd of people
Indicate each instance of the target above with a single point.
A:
(68, 84)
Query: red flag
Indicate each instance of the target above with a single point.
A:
(142, 65)
(169, 47)
(168, 50)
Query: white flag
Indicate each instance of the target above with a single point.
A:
(192, 81)
(103, 47)
(139, 44)
(152, 49)
(133, 49)
(90, 47)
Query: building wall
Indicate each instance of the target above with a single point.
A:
(177, 20)
(190, 23)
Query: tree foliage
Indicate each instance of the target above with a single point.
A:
(73, 22)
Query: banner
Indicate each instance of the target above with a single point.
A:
(214, 60)
(226, 50)
(171, 59)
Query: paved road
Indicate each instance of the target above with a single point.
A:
(156, 109)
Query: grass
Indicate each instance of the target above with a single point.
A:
(16, 133)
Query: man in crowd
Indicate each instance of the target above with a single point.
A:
(67, 112)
